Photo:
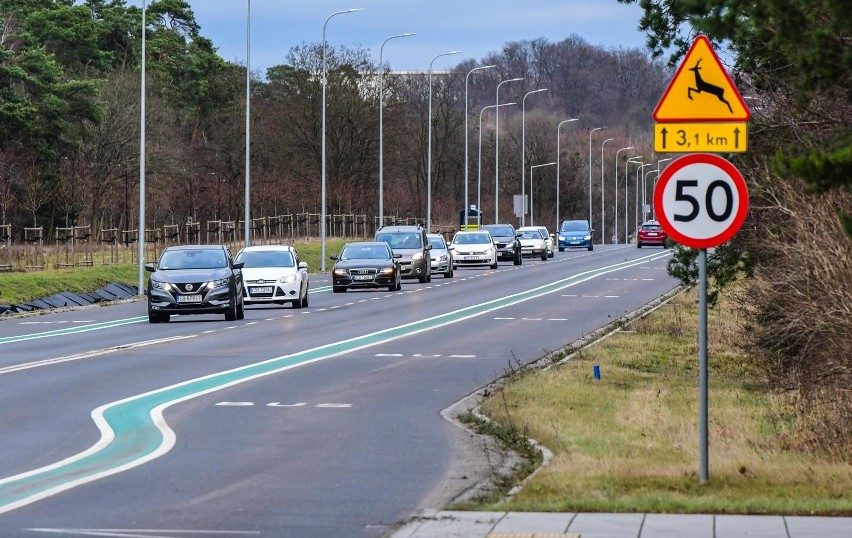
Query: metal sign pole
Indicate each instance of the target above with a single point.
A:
(702, 364)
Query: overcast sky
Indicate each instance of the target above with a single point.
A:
(476, 27)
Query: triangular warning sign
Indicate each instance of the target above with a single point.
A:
(701, 90)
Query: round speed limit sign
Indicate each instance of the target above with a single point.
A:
(702, 200)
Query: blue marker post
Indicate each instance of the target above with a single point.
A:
(597, 370)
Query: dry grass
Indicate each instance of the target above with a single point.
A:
(629, 441)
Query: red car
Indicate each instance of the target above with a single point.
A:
(651, 233)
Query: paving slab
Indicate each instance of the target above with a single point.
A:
(607, 525)
(533, 522)
(677, 526)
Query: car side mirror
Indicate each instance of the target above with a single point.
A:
(428, 246)
(334, 257)
(451, 247)
(303, 265)
(592, 231)
(238, 265)
(397, 255)
(150, 267)
(517, 235)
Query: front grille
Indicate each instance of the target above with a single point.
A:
(191, 287)
(354, 272)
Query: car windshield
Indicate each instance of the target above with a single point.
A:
(530, 234)
(400, 240)
(471, 239)
(193, 259)
(437, 242)
(266, 258)
(365, 252)
(502, 231)
(575, 226)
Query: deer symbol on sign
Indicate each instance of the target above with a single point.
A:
(702, 86)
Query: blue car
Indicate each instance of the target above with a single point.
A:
(575, 234)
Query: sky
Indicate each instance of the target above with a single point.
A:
(475, 27)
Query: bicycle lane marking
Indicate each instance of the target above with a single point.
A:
(72, 330)
(134, 431)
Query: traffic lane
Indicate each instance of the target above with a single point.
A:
(357, 457)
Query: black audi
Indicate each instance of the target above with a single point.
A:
(366, 265)
(195, 279)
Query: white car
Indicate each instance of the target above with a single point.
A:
(274, 274)
(442, 257)
(549, 237)
(474, 248)
(533, 242)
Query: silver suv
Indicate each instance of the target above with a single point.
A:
(411, 243)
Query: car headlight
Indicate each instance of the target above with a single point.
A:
(288, 279)
(561, 237)
(388, 271)
(443, 258)
(489, 252)
(417, 256)
(339, 272)
(217, 283)
(588, 237)
(165, 286)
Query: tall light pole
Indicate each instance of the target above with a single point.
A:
(590, 173)
(644, 185)
(497, 151)
(603, 222)
(626, 207)
(558, 156)
(532, 212)
(466, 165)
(479, 166)
(248, 125)
(381, 134)
(324, 84)
(523, 153)
(429, 156)
(141, 233)
(615, 226)
(639, 175)
(654, 209)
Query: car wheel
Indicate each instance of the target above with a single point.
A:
(494, 265)
(449, 273)
(423, 279)
(591, 247)
(305, 300)
(153, 317)
(519, 259)
(338, 289)
(638, 245)
(544, 256)
(241, 310)
(231, 314)
(550, 254)
(561, 249)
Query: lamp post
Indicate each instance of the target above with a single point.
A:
(497, 151)
(638, 175)
(141, 232)
(644, 185)
(324, 84)
(654, 209)
(590, 173)
(381, 133)
(479, 166)
(523, 151)
(603, 220)
(429, 157)
(615, 226)
(626, 207)
(466, 165)
(558, 156)
(532, 212)
(248, 125)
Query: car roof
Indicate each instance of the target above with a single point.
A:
(531, 228)
(400, 228)
(195, 247)
(368, 243)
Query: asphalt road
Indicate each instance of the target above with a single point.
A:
(316, 422)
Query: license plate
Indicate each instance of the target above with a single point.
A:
(574, 243)
(267, 289)
(652, 234)
(362, 277)
(189, 298)
(471, 258)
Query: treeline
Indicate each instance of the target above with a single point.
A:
(70, 108)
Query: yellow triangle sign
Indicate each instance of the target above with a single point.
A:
(701, 90)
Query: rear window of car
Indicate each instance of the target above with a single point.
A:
(266, 259)
(653, 227)
(400, 240)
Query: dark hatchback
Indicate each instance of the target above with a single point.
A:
(195, 279)
(366, 264)
(507, 241)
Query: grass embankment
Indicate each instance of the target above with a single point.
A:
(18, 287)
(629, 441)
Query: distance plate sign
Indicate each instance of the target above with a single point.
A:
(703, 200)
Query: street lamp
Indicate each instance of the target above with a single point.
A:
(479, 166)
(523, 150)
(466, 165)
(532, 212)
(644, 184)
(381, 134)
(141, 232)
(590, 173)
(248, 126)
(603, 221)
(324, 84)
(638, 175)
(626, 208)
(654, 209)
(615, 226)
(558, 156)
(497, 151)
(429, 157)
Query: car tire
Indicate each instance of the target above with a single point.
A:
(550, 254)
(153, 317)
(338, 289)
(424, 278)
(305, 300)
(544, 256)
(638, 245)
(231, 314)
(494, 265)
(561, 249)
(241, 310)
(518, 259)
(449, 273)
(591, 247)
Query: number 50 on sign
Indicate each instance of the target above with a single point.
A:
(702, 200)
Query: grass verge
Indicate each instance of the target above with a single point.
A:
(629, 441)
(19, 287)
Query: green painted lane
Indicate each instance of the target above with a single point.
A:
(73, 330)
(133, 430)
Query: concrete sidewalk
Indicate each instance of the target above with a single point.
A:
(449, 524)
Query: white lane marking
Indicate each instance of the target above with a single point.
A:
(426, 356)
(611, 296)
(389, 355)
(145, 533)
(269, 319)
(333, 405)
(591, 296)
(530, 319)
(349, 304)
(252, 323)
(363, 301)
(505, 318)
(278, 404)
(235, 404)
(462, 356)
(569, 295)
(557, 319)
(648, 279)
(89, 354)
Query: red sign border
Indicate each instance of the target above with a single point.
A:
(739, 183)
(701, 37)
